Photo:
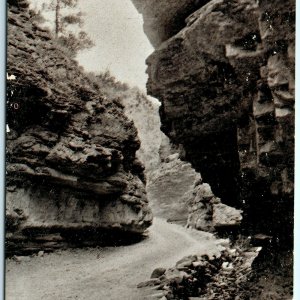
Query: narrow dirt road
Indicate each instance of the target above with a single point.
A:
(104, 273)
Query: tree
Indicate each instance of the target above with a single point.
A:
(64, 20)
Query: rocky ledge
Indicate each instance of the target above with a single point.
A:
(71, 152)
(225, 77)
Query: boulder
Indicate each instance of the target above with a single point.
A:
(224, 215)
(158, 272)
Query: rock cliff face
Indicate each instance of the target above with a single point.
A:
(174, 189)
(143, 111)
(225, 78)
(170, 181)
(170, 189)
(71, 152)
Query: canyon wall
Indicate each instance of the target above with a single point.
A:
(170, 181)
(72, 170)
(224, 73)
(174, 189)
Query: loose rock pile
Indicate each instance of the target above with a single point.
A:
(222, 276)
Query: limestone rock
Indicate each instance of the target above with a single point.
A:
(226, 80)
(206, 212)
(165, 18)
(224, 215)
(170, 188)
(143, 111)
(151, 282)
(229, 273)
(186, 262)
(71, 151)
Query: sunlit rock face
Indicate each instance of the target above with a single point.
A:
(174, 189)
(170, 181)
(170, 188)
(206, 212)
(71, 152)
(143, 111)
(226, 82)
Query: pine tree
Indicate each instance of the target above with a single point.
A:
(64, 20)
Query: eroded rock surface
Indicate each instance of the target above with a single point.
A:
(170, 189)
(143, 111)
(71, 152)
(165, 18)
(174, 189)
(206, 212)
(226, 82)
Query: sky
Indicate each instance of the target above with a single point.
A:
(121, 46)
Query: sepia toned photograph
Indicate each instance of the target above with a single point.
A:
(150, 150)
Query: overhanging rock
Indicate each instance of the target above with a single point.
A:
(225, 78)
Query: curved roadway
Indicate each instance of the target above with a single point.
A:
(104, 273)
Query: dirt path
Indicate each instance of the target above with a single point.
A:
(104, 273)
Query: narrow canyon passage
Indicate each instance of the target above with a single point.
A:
(105, 273)
(207, 142)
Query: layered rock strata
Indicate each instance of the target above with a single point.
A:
(71, 152)
(226, 82)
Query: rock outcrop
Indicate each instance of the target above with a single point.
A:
(225, 78)
(170, 181)
(165, 18)
(143, 111)
(170, 189)
(71, 152)
(207, 213)
(174, 189)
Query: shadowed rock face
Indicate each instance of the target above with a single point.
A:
(226, 83)
(174, 189)
(163, 19)
(71, 163)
